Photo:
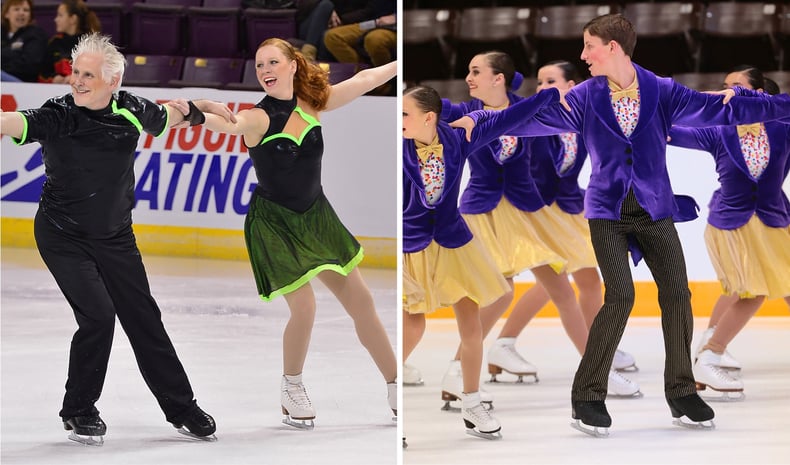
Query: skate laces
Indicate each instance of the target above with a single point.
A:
(620, 378)
(479, 414)
(298, 394)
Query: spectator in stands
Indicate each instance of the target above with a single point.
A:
(313, 18)
(374, 34)
(74, 19)
(23, 43)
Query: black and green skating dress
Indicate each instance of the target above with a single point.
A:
(292, 232)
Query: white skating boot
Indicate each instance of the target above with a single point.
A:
(392, 397)
(453, 386)
(623, 361)
(478, 419)
(709, 374)
(297, 408)
(503, 356)
(412, 376)
(727, 362)
(622, 387)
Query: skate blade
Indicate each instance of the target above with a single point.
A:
(636, 395)
(448, 407)
(686, 422)
(628, 369)
(189, 434)
(519, 379)
(405, 444)
(492, 436)
(725, 396)
(417, 383)
(306, 424)
(96, 441)
(595, 431)
(720, 395)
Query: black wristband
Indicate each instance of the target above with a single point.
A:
(195, 116)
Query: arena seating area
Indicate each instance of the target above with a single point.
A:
(191, 43)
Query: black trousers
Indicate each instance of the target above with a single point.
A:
(102, 278)
(663, 254)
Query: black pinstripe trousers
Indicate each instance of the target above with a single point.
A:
(663, 254)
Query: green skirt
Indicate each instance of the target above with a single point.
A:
(287, 249)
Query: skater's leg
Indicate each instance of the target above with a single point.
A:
(78, 277)
(524, 310)
(413, 330)
(590, 292)
(561, 293)
(490, 314)
(124, 273)
(470, 330)
(296, 336)
(732, 322)
(354, 295)
(611, 250)
(723, 303)
(663, 254)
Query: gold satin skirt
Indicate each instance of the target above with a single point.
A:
(438, 277)
(570, 238)
(752, 260)
(512, 239)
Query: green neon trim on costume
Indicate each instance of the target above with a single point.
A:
(305, 278)
(23, 137)
(311, 123)
(128, 115)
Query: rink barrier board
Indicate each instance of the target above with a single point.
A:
(183, 241)
(379, 253)
(703, 296)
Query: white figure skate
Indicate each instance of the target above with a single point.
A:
(709, 374)
(453, 386)
(623, 361)
(392, 397)
(412, 376)
(478, 419)
(296, 406)
(727, 361)
(503, 356)
(621, 387)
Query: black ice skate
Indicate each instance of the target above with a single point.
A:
(591, 417)
(197, 424)
(697, 414)
(88, 430)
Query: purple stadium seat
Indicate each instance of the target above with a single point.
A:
(249, 79)
(213, 32)
(111, 17)
(184, 3)
(262, 24)
(44, 13)
(152, 70)
(156, 29)
(209, 72)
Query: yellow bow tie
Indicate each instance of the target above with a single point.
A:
(425, 151)
(753, 129)
(623, 93)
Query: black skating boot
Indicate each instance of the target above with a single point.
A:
(694, 408)
(88, 430)
(591, 417)
(197, 423)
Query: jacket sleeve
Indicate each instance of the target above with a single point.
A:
(695, 109)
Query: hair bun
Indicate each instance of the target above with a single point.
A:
(518, 78)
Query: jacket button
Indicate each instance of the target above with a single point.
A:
(628, 150)
(629, 162)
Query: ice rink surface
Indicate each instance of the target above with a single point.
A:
(535, 418)
(230, 344)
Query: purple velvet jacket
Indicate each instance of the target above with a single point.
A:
(740, 195)
(548, 154)
(442, 221)
(491, 178)
(638, 162)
